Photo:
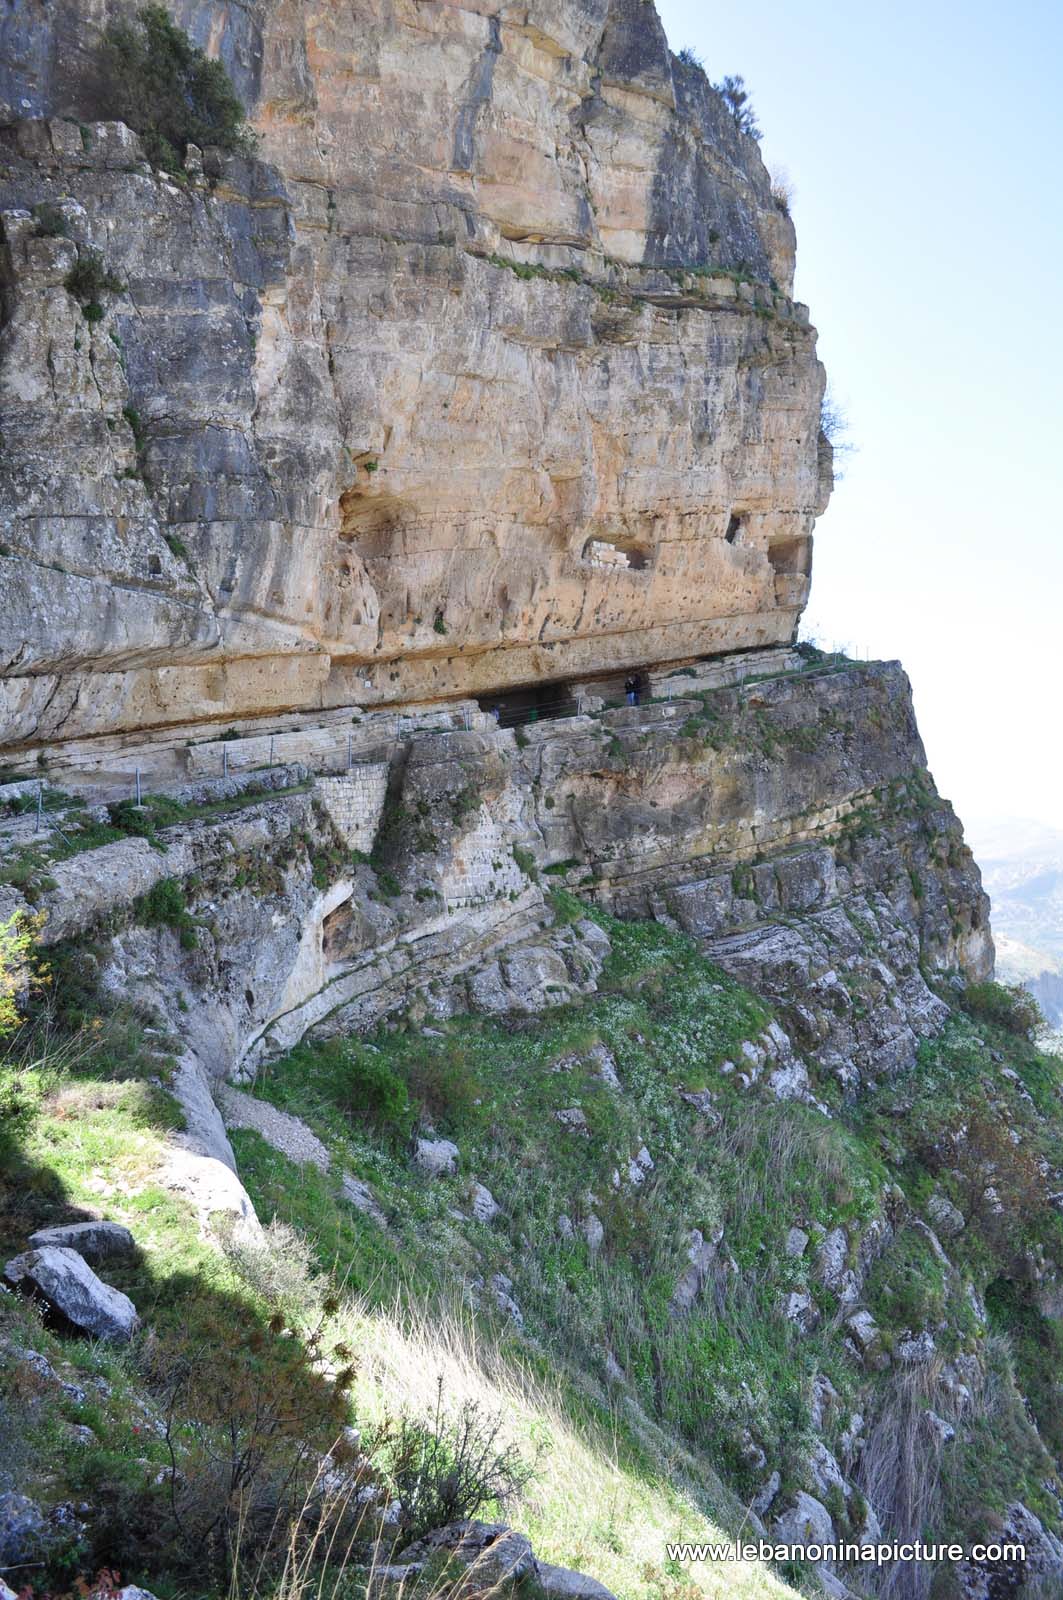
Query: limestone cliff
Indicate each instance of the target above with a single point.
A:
(485, 372)
(663, 1027)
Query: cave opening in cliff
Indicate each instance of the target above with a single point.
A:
(789, 557)
(536, 702)
(734, 528)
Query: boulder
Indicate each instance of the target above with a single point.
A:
(494, 1552)
(561, 1583)
(825, 1472)
(484, 1205)
(832, 1266)
(66, 1282)
(701, 1253)
(800, 1308)
(502, 1289)
(358, 1194)
(639, 1167)
(436, 1157)
(947, 1219)
(763, 1499)
(95, 1241)
(917, 1349)
(23, 1530)
(942, 1430)
(807, 1521)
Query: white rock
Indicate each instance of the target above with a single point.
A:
(789, 1081)
(863, 1328)
(701, 1253)
(825, 1471)
(806, 1522)
(436, 1157)
(573, 1118)
(484, 1205)
(68, 1284)
(945, 1216)
(943, 1431)
(917, 1349)
(594, 1233)
(796, 1242)
(95, 1241)
(562, 1583)
(762, 1500)
(502, 1288)
(605, 1063)
(358, 1194)
(639, 1168)
(799, 1308)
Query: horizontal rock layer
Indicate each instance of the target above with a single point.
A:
(788, 824)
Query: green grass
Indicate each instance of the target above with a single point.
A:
(27, 867)
(669, 1019)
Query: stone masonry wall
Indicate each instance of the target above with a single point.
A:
(355, 803)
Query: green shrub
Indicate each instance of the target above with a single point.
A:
(164, 906)
(16, 939)
(370, 1091)
(449, 1467)
(162, 85)
(526, 862)
(20, 1098)
(1006, 1005)
(247, 1413)
(51, 223)
(88, 280)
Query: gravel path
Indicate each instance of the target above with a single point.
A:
(281, 1130)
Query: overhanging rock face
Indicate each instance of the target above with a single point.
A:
(486, 371)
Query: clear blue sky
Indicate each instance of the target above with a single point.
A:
(925, 145)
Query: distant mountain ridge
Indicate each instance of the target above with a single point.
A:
(1022, 868)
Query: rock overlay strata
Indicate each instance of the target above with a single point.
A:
(486, 371)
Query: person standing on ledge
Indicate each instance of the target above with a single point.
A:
(631, 690)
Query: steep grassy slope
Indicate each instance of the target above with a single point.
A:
(625, 1308)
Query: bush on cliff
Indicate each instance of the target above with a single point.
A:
(1006, 1005)
(162, 85)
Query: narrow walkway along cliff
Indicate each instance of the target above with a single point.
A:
(471, 937)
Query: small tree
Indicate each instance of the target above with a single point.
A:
(162, 85)
(735, 96)
(782, 189)
(16, 937)
(449, 1466)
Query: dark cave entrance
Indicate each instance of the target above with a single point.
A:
(535, 702)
